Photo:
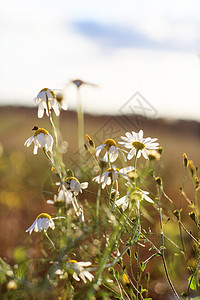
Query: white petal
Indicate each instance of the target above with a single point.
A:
(84, 263)
(148, 199)
(76, 277)
(131, 153)
(113, 153)
(64, 105)
(30, 229)
(41, 138)
(56, 108)
(39, 222)
(40, 110)
(140, 135)
(127, 169)
(120, 201)
(51, 224)
(128, 135)
(81, 275)
(98, 149)
(84, 185)
(35, 150)
(88, 275)
(29, 141)
(145, 153)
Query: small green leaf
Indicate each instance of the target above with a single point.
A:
(143, 266)
(192, 283)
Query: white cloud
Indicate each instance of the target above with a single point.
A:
(41, 49)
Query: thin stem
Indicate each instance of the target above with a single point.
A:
(162, 250)
(52, 243)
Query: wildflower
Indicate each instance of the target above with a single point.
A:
(138, 144)
(48, 99)
(64, 197)
(125, 279)
(112, 174)
(41, 139)
(42, 222)
(79, 270)
(72, 184)
(136, 195)
(112, 151)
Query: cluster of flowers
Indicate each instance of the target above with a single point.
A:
(70, 187)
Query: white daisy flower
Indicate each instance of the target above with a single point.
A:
(112, 151)
(55, 101)
(72, 184)
(112, 174)
(63, 197)
(79, 270)
(136, 195)
(138, 144)
(42, 222)
(41, 139)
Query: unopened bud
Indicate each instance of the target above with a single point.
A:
(192, 167)
(177, 214)
(159, 181)
(185, 160)
(192, 216)
(125, 279)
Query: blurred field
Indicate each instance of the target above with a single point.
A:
(23, 176)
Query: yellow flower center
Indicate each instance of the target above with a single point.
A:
(111, 170)
(73, 261)
(41, 130)
(138, 145)
(109, 143)
(71, 178)
(137, 195)
(44, 215)
(44, 90)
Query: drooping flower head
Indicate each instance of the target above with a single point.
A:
(112, 151)
(63, 198)
(79, 270)
(138, 144)
(41, 139)
(134, 194)
(52, 99)
(42, 222)
(72, 184)
(112, 174)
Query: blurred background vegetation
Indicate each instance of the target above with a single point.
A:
(25, 179)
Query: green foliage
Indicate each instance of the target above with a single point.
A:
(101, 245)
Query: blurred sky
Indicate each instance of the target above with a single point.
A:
(123, 46)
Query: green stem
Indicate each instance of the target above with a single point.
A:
(52, 243)
(162, 250)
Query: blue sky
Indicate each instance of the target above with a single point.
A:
(123, 46)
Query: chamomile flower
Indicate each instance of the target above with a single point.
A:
(64, 197)
(42, 222)
(72, 184)
(138, 144)
(112, 151)
(112, 174)
(136, 195)
(41, 139)
(52, 99)
(79, 270)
